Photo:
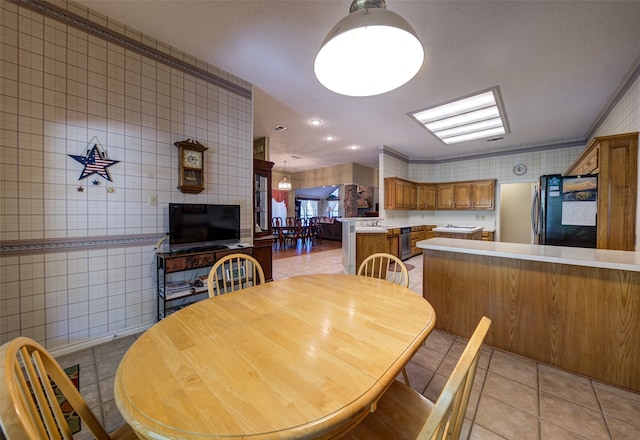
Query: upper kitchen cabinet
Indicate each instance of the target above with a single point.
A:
(484, 194)
(615, 160)
(445, 196)
(470, 195)
(426, 196)
(399, 194)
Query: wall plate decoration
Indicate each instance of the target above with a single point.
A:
(191, 166)
(520, 169)
(95, 162)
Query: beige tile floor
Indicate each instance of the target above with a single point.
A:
(514, 397)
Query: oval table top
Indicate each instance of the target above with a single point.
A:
(299, 357)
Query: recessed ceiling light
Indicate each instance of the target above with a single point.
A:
(476, 116)
(353, 147)
(279, 128)
(315, 122)
(329, 138)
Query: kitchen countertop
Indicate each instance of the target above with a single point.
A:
(458, 229)
(603, 258)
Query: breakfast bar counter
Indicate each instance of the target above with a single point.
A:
(575, 308)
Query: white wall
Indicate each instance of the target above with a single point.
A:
(62, 87)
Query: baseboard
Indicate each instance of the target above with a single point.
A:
(72, 348)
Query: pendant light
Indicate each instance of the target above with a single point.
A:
(369, 52)
(285, 183)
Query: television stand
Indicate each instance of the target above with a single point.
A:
(176, 269)
(213, 247)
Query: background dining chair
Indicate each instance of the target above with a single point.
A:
(405, 413)
(386, 267)
(234, 272)
(28, 404)
(276, 227)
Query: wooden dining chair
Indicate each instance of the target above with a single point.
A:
(386, 267)
(403, 413)
(234, 272)
(29, 407)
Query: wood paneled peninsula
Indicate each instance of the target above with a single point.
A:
(575, 308)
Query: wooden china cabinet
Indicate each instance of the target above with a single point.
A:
(262, 235)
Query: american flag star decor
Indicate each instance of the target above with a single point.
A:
(95, 163)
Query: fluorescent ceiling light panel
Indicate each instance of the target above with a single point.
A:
(472, 117)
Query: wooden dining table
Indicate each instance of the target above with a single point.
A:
(303, 357)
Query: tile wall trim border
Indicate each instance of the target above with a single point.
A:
(69, 18)
(531, 149)
(11, 248)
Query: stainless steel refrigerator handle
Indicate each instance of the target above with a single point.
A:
(535, 208)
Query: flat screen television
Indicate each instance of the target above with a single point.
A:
(200, 226)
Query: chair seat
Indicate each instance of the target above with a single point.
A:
(400, 406)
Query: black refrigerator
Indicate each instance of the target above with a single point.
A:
(564, 211)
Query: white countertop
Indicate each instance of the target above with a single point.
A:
(458, 229)
(603, 258)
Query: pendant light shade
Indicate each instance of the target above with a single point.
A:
(369, 52)
(285, 183)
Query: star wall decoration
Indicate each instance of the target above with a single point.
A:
(95, 163)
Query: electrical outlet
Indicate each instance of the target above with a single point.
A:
(153, 200)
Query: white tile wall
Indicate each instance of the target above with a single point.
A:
(64, 90)
(498, 167)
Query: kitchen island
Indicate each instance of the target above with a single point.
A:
(575, 308)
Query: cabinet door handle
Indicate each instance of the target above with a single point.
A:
(191, 261)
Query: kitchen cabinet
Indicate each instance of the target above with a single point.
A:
(426, 196)
(462, 197)
(488, 236)
(393, 239)
(369, 244)
(419, 233)
(483, 192)
(469, 195)
(615, 160)
(461, 235)
(445, 196)
(399, 194)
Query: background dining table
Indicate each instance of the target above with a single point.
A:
(303, 357)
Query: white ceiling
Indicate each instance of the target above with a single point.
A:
(557, 63)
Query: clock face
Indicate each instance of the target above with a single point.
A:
(519, 169)
(192, 159)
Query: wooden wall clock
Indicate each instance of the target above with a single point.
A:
(191, 160)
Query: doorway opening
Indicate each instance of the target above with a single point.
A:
(514, 224)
